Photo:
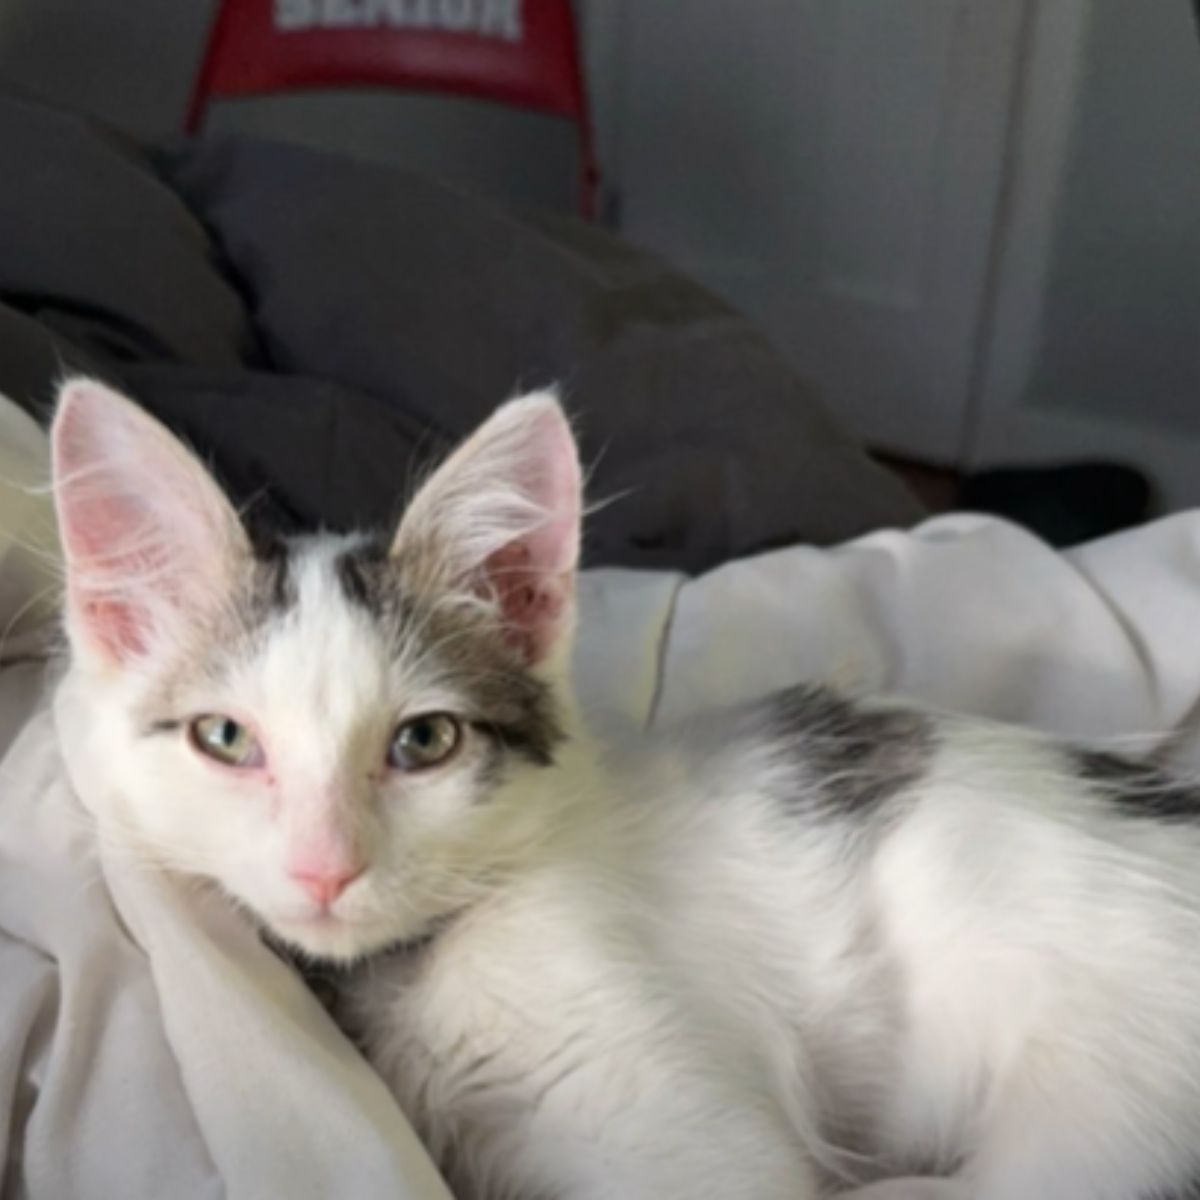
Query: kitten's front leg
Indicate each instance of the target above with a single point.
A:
(686, 1138)
(587, 1098)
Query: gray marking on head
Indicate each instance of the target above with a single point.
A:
(1137, 789)
(509, 703)
(366, 577)
(853, 758)
(270, 587)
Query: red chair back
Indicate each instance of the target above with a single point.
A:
(523, 53)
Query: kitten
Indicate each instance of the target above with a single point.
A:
(780, 952)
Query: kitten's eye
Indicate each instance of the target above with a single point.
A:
(424, 742)
(225, 740)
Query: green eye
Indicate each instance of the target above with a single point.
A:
(424, 742)
(225, 740)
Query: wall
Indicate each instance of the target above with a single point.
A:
(1121, 314)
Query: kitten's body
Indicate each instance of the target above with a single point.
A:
(773, 953)
(724, 970)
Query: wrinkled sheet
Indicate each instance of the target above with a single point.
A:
(152, 1047)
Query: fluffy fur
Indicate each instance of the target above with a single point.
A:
(786, 952)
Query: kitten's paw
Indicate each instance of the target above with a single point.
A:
(910, 1189)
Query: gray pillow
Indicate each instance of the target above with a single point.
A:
(316, 325)
(440, 304)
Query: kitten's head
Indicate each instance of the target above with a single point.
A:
(350, 736)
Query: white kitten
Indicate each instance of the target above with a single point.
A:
(774, 954)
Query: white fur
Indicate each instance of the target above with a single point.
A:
(659, 981)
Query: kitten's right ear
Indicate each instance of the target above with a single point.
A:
(500, 518)
(151, 543)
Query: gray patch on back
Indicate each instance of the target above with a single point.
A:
(853, 758)
(1137, 789)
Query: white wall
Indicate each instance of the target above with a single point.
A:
(1121, 318)
(1091, 347)
(833, 167)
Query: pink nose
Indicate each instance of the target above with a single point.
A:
(324, 886)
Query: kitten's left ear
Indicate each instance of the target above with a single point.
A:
(500, 517)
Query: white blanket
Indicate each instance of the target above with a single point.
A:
(152, 1047)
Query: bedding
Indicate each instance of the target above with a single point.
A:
(153, 1047)
(318, 326)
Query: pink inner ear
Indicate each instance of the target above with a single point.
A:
(96, 525)
(143, 529)
(107, 581)
(532, 602)
(118, 626)
(533, 575)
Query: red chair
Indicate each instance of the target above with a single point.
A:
(523, 53)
